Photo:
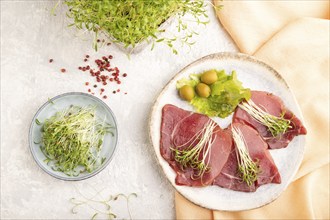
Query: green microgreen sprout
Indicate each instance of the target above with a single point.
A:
(52, 12)
(197, 156)
(101, 206)
(217, 6)
(127, 198)
(38, 122)
(72, 140)
(134, 21)
(276, 125)
(247, 168)
(51, 101)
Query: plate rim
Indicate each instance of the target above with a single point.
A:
(89, 175)
(233, 55)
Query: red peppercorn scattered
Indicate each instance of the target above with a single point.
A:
(108, 44)
(102, 72)
(98, 41)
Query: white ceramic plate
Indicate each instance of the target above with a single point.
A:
(59, 103)
(255, 75)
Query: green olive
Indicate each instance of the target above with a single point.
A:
(187, 92)
(203, 90)
(209, 77)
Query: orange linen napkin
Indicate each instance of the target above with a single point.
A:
(298, 48)
(252, 23)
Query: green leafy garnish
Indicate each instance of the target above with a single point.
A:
(133, 21)
(247, 168)
(276, 125)
(226, 93)
(197, 156)
(72, 138)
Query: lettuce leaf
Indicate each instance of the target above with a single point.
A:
(226, 94)
(193, 81)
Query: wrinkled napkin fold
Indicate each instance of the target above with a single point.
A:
(292, 37)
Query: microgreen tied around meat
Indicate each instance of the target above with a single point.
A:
(73, 137)
(197, 156)
(276, 125)
(247, 168)
(133, 21)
